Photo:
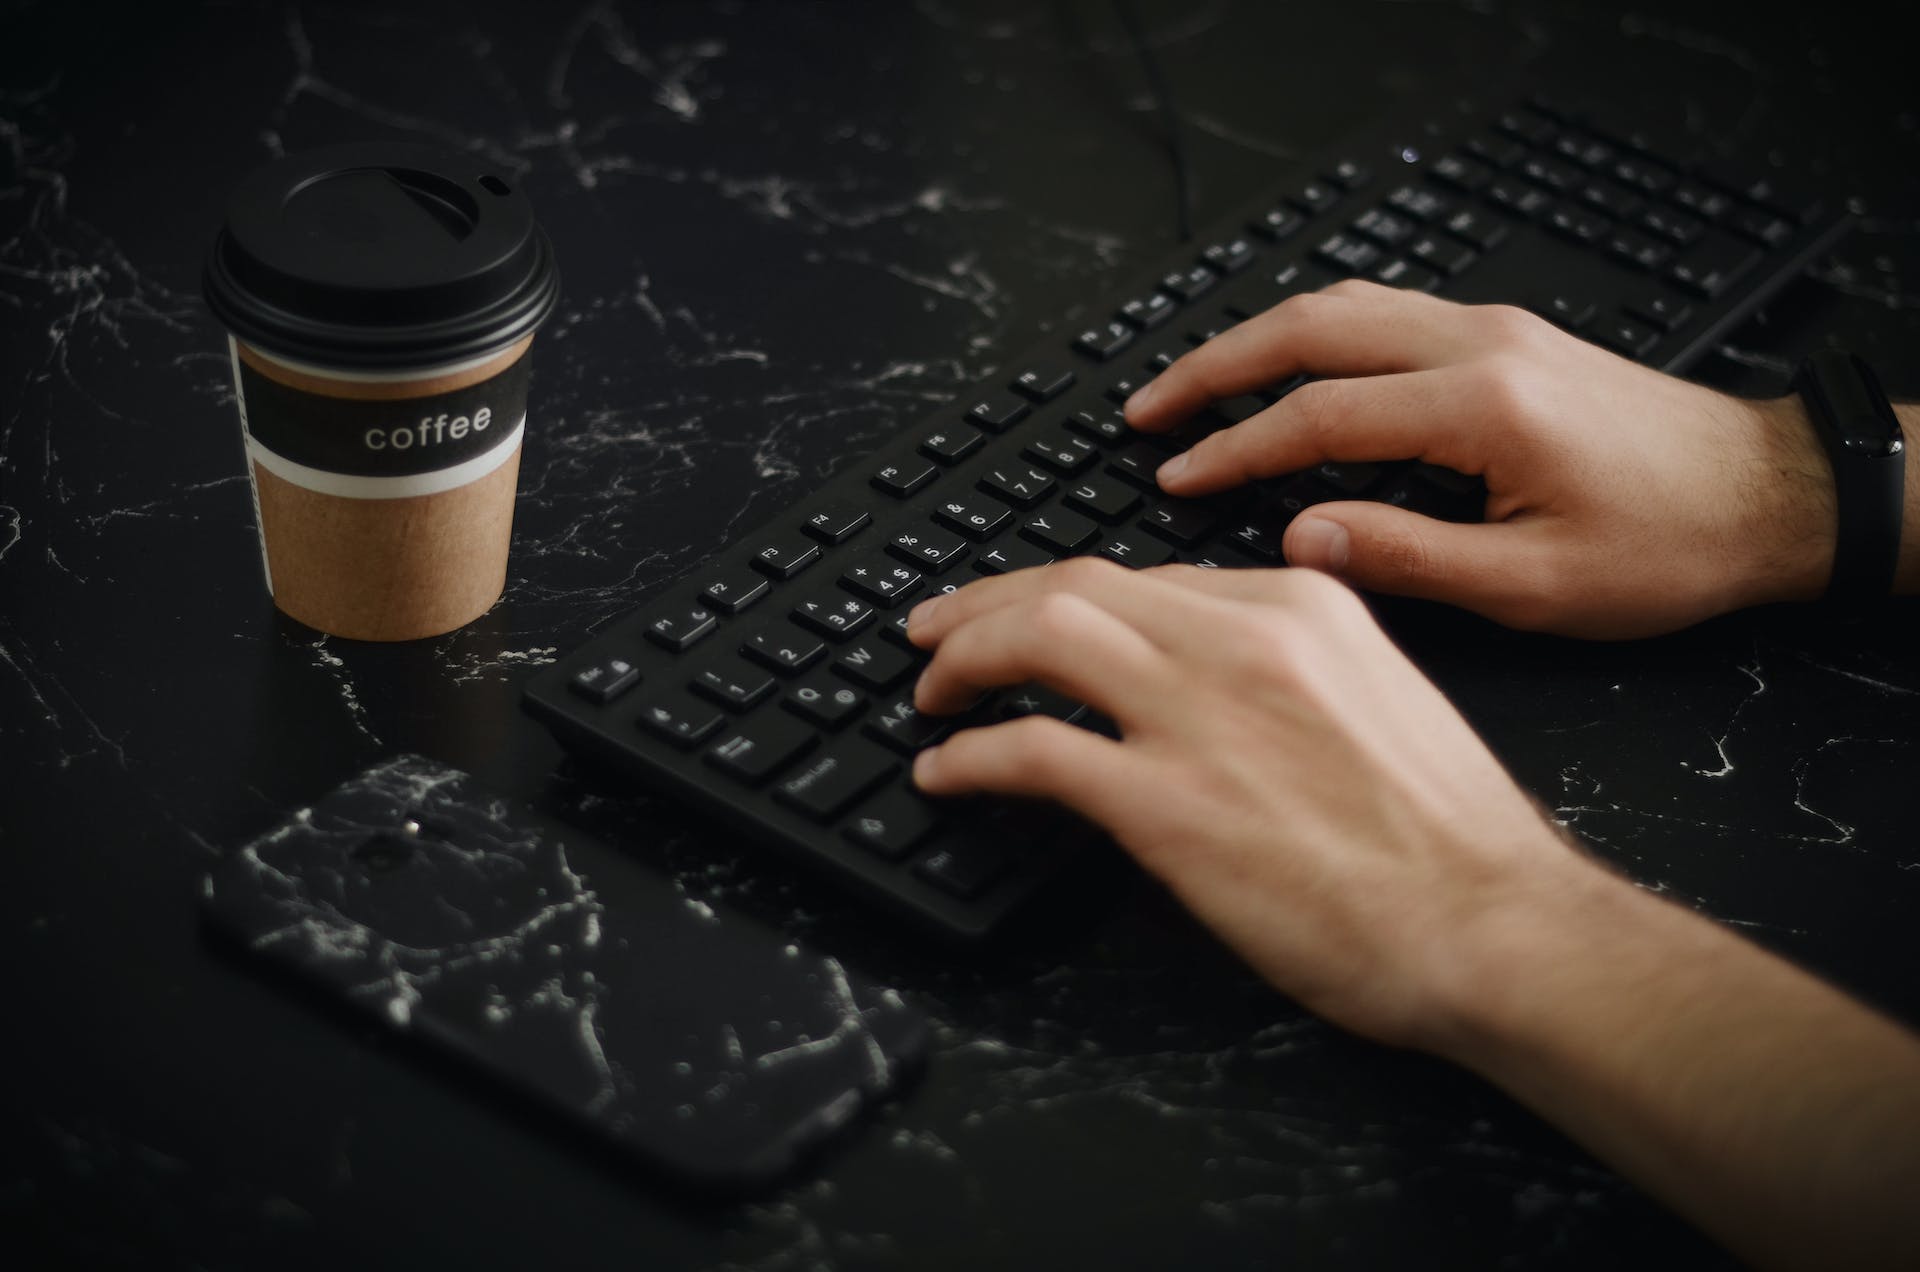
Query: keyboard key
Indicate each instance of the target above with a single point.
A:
(761, 747)
(784, 648)
(1500, 152)
(1384, 228)
(1462, 173)
(1643, 175)
(827, 703)
(834, 615)
(978, 519)
(1144, 313)
(1521, 198)
(998, 412)
(1314, 197)
(1675, 227)
(1420, 203)
(1043, 384)
(1639, 250)
(1010, 556)
(1033, 700)
(1108, 427)
(1277, 223)
(1588, 152)
(1106, 500)
(838, 523)
(1625, 336)
(1761, 226)
(964, 867)
(892, 823)
(1063, 533)
(1442, 255)
(1259, 536)
(951, 445)
(828, 784)
(1702, 200)
(732, 683)
(1405, 274)
(1482, 229)
(1348, 174)
(1137, 462)
(875, 665)
(1349, 478)
(1061, 452)
(881, 581)
(1021, 485)
(1134, 551)
(677, 632)
(928, 549)
(1613, 200)
(681, 719)
(1566, 311)
(1125, 387)
(1714, 266)
(1771, 193)
(1348, 252)
(603, 681)
(1258, 293)
(1578, 224)
(735, 591)
(1181, 522)
(1551, 173)
(1190, 283)
(1662, 310)
(785, 556)
(900, 725)
(1105, 342)
(1229, 257)
(903, 478)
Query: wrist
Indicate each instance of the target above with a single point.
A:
(1786, 491)
(1509, 977)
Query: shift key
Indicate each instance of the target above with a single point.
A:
(827, 785)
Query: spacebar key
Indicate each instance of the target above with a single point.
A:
(824, 788)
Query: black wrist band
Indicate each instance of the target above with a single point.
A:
(1862, 436)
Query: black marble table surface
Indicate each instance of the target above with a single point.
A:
(786, 230)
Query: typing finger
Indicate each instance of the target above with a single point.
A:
(1061, 640)
(1437, 415)
(1041, 758)
(1351, 328)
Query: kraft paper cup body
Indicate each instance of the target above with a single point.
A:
(384, 500)
(381, 301)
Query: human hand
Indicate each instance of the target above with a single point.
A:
(1621, 501)
(1284, 769)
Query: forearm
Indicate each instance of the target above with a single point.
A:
(1771, 1110)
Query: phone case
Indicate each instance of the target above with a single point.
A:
(707, 1046)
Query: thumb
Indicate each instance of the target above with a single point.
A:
(1493, 569)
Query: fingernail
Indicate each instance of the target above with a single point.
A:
(1173, 468)
(924, 765)
(1142, 399)
(922, 614)
(1320, 544)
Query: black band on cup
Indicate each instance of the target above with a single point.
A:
(383, 448)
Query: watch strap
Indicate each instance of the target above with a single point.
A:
(1867, 452)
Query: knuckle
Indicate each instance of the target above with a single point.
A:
(1058, 616)
(1076, 573)
(1512, 326)
(1509, 387)
(1317, 408)
(1351, 288)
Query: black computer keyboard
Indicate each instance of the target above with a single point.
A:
(773, 688)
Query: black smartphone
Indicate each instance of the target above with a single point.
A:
(705, 1045)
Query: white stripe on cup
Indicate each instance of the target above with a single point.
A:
(354, 486)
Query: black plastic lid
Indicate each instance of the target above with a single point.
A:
(380, 255)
